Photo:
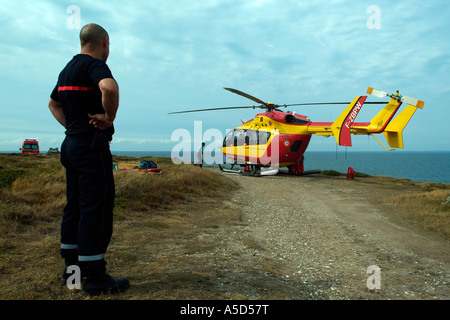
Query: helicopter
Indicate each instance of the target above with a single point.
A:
(276, 138)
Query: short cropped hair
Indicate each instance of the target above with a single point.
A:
(92, 34)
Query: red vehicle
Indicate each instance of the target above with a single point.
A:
(30, 146)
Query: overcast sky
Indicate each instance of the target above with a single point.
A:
(172, 55)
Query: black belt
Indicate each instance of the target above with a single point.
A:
(89, 134)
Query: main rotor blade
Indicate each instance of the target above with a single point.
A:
(212, 109)
(264, 106)
(312, 104)
(246, 95)
(324, 103)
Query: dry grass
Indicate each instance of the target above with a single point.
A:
(429, 208)
(150, 210)
(34, 194)
(138, 191)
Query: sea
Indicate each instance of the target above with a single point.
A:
(431, 166)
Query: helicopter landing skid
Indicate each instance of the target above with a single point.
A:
(247, 170)
(304, 173)
(260, 171)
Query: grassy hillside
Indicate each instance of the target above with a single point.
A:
(32, 198)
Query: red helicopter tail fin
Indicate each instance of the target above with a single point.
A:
(341, 127)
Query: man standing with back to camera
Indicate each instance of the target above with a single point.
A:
(85, 101)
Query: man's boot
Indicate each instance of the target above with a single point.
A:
(104, 283)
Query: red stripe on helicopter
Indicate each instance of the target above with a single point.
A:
(75, 88)
(344, 134)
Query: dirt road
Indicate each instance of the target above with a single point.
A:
(315, 237)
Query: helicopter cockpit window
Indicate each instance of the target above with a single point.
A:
(246, 137)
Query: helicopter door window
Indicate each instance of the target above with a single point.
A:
(266, 138)
(228, 141)
(234, 138)
(240, 137)
(251, 137)
(256, 137)
(262, 137)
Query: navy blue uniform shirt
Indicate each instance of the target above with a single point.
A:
(78, 92)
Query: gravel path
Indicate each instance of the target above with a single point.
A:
(315, 237)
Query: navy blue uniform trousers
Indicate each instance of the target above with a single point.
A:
(87, 222)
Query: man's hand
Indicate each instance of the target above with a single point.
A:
(110, 101)
(100, 121)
